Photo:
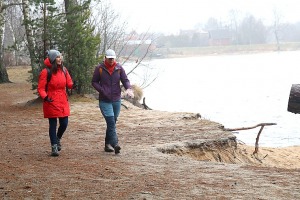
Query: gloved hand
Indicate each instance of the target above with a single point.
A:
(48, 99)
(129, 93)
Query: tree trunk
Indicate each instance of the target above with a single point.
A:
(28, 29)
(10, 27)
(68, 7)
(3, 73)
(30, 40)
(46, 46)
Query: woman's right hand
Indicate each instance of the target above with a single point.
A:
(47, 99)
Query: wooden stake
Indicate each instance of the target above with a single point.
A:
(257, 139)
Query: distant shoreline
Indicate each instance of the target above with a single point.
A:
(223, 50)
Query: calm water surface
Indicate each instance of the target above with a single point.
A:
(234, 90)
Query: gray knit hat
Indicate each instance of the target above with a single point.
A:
(52, 54)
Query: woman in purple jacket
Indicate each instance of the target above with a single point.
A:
(106, 80)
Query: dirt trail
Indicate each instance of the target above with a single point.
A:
(164, 156)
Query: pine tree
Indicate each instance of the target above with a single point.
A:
(69, 32)
(79, 43)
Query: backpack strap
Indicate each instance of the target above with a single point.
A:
(100, 71)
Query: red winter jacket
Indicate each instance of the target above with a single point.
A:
(59, 107)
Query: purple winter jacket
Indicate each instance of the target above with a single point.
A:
(107, 85)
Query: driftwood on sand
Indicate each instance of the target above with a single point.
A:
(145, 105)
(262, 125)
(137, 104)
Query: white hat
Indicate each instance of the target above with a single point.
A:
(110, 53)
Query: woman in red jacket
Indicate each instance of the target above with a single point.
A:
(54, 94)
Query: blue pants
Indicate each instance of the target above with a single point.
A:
(63, 123)
(110, 112)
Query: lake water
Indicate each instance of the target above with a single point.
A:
(234, 90)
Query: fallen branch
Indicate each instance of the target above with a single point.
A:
(262, 125)
(124, 105)
(144, 104)
(251, 127)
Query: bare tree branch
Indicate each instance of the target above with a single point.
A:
(146, 53)
(251, 127)
(262, 125)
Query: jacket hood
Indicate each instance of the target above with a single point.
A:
(47, 62)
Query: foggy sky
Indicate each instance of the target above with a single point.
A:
(169, 16)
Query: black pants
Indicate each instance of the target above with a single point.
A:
(63, 124)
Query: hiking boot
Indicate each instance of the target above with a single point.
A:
(54, 150)
(117, 149)
(58, 144)
(108, 148)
